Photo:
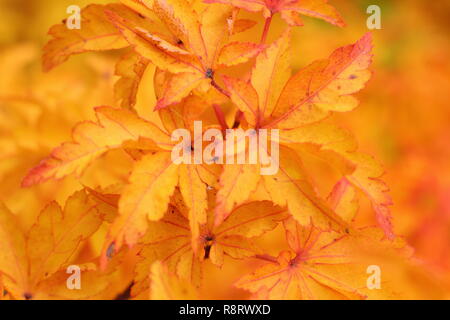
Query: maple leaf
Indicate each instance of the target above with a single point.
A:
(141, 199)
(91, 140)
(320, 265)
(195, 48)
(290, 185)
(33, 265)
(330, 265)
(290, 10)
(144, 199)
(168, 33)
(169, 240)
(97, 33)
(296, 105)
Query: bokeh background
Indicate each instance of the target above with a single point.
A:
(403, 119)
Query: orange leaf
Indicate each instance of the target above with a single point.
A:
(91, 140)
(326, 85)
(238, 52)
(144, 199)
(96, 34)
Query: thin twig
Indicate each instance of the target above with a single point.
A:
(220, 89)
(266, 257)
(266, 29)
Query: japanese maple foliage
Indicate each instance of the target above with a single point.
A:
(174, 219)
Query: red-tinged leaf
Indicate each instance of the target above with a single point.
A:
(90, 140)
(97, 33)
(364, 172)
(245, 98)
(343, 201)
(242, 25)
(238, 52)
(321, 265)
(182, 115)
(31, 264)
(215, 33)
(169, 239)
(319, 9)
(183, 22)
(179, 87)
(359, 169)
(366, 178)
(233, 237)
(326, 85)
(52, 241)
(143, 7)
(160, 48)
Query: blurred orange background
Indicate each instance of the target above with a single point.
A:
(403, 119)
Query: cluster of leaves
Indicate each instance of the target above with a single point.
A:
(178, 217)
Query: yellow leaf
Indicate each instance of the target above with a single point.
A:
(182, 20)
(97, 33)
(194, 194)
(291, 187)
(57, 234)
(90, 140)
(271, 72)
(245, 97)
(29, 262)
(237, 183)
(145, 198)
(326, 85)
(238, 52)
(179, 87)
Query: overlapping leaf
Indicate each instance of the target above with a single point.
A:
(33, 265)
(169, 240)
(295, 105)
(194, 49)
(290, 10)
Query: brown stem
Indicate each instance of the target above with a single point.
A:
(266, 257)
(220, 89)
(266, 29)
